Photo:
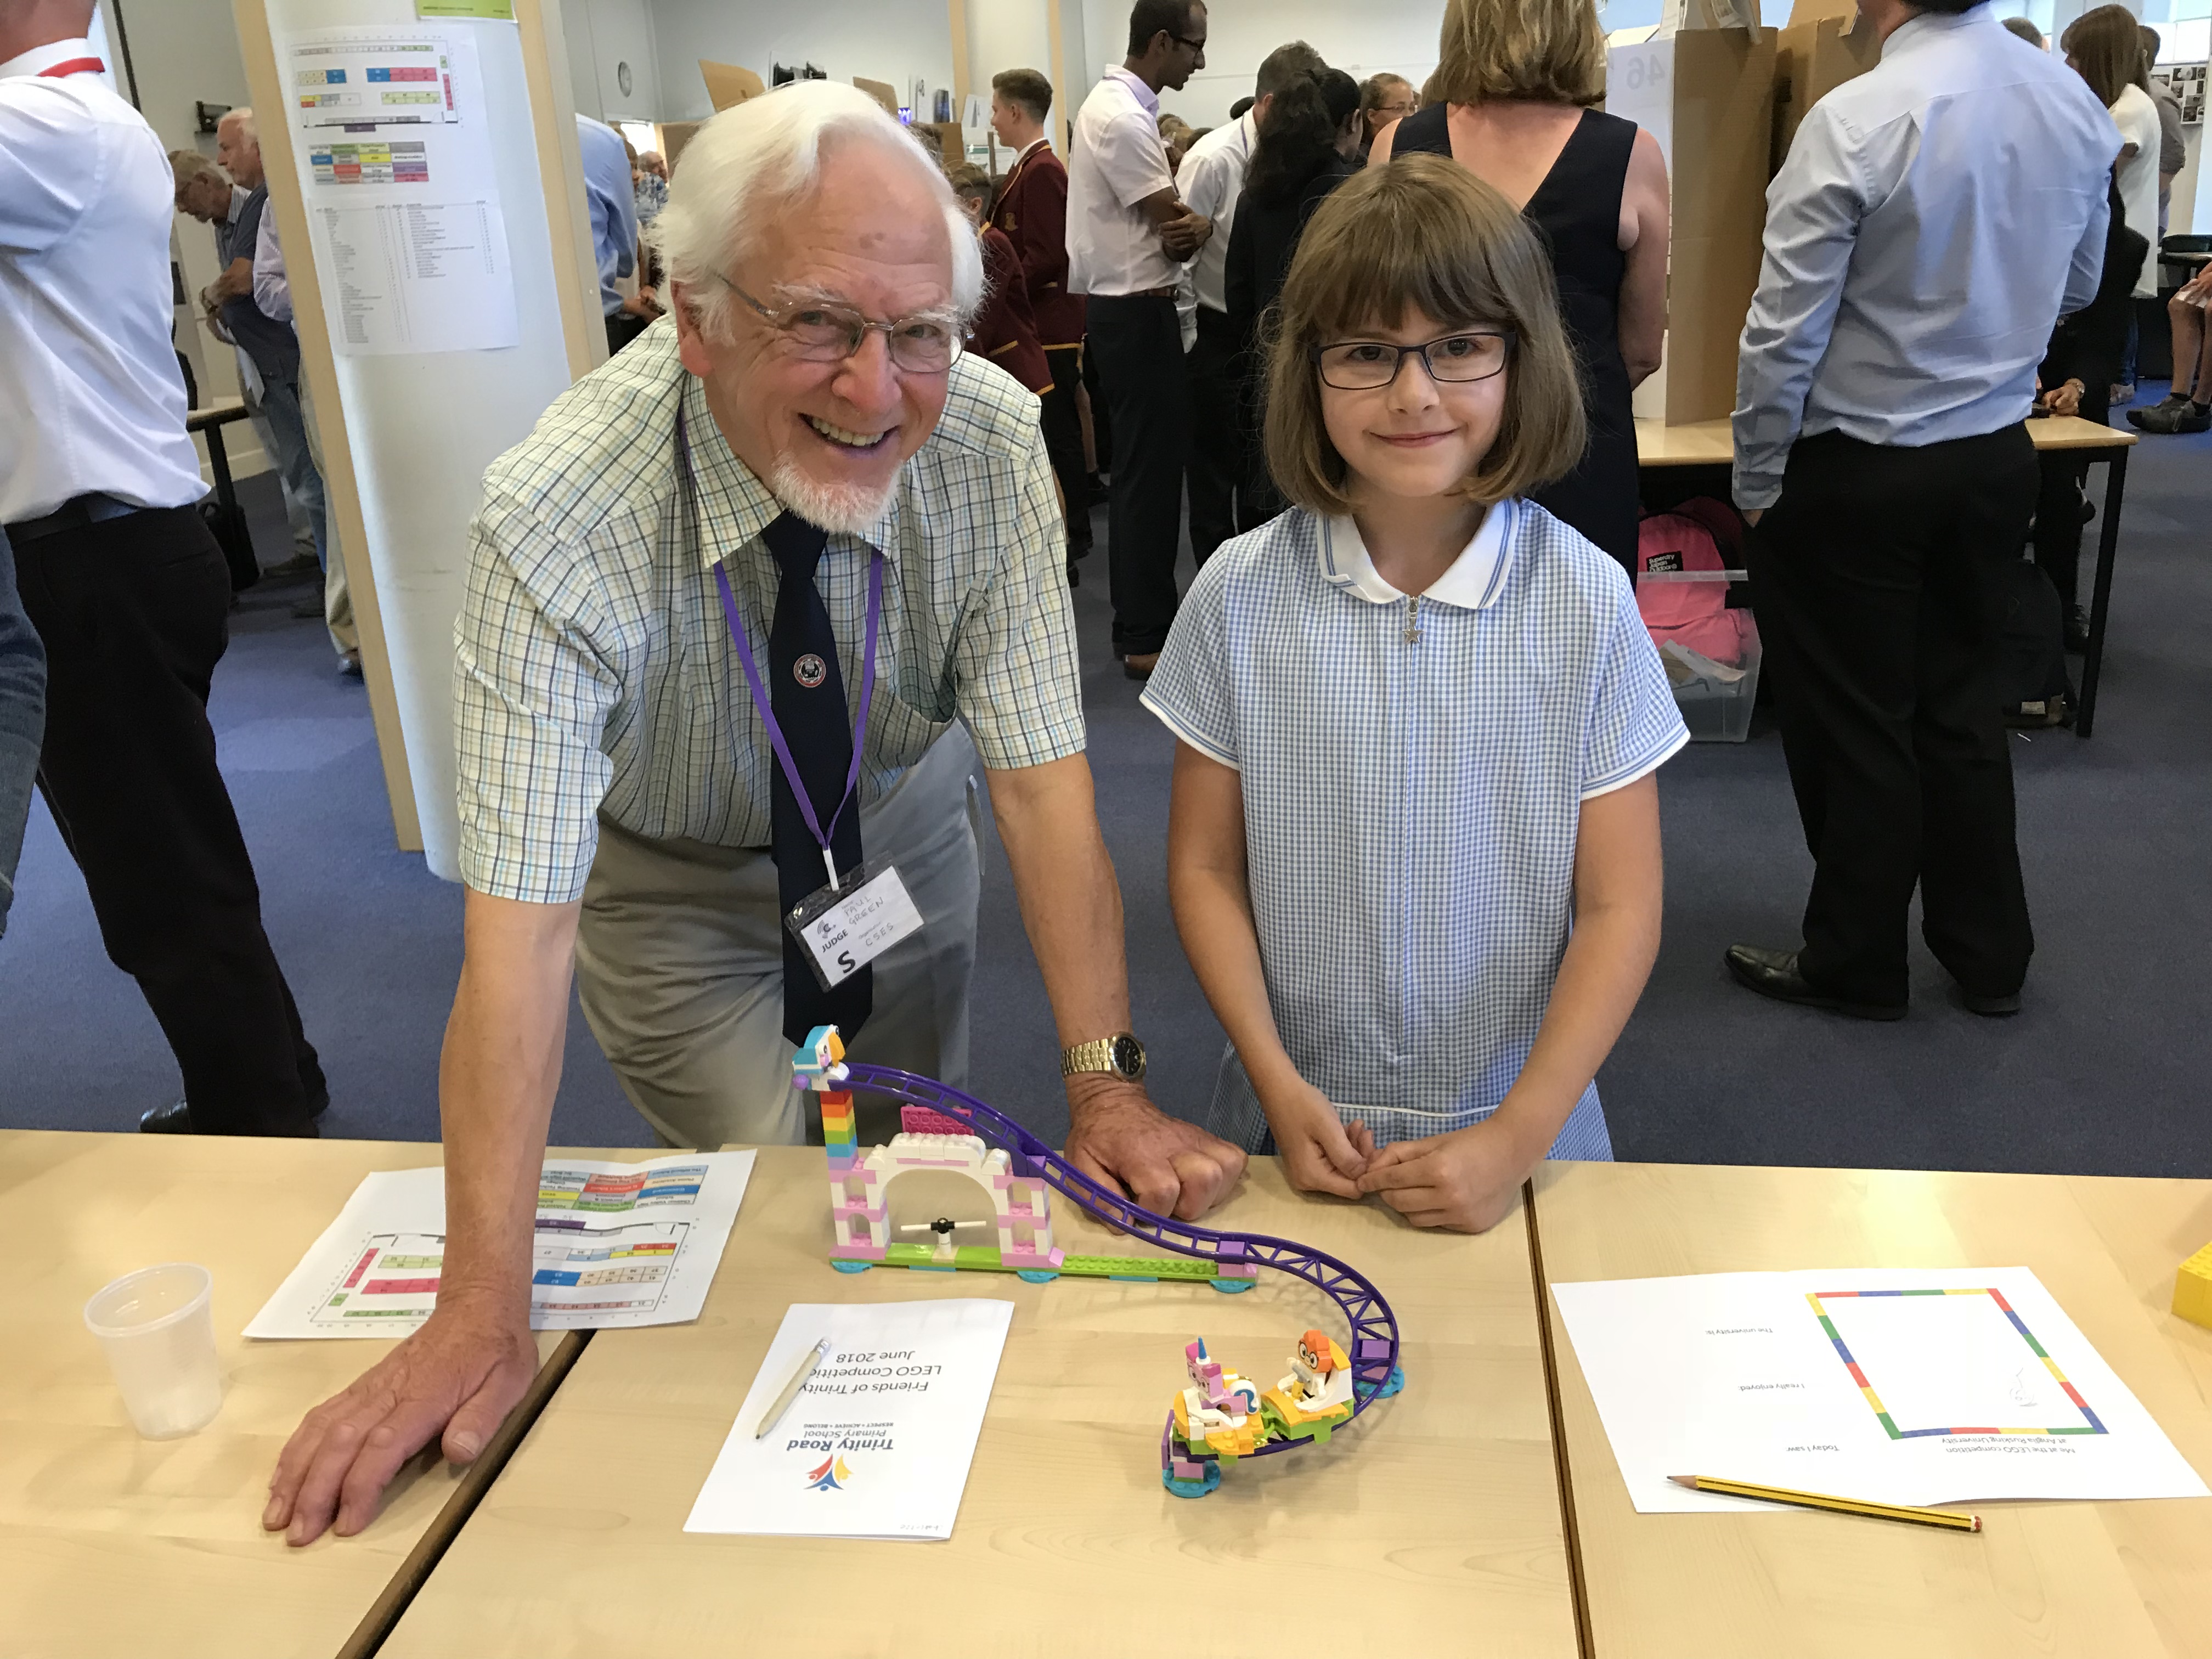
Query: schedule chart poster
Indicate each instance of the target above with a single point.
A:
(614, 1245)
(1894, 1385)
(395, 157)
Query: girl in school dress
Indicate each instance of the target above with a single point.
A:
(1413, 851)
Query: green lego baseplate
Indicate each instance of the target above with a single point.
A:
(984, 1258)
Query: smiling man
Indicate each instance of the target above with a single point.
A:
(791, 507)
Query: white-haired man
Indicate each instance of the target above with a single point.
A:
(792, 486)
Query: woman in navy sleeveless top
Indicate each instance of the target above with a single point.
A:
(1517, 74)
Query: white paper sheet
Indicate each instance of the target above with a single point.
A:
(403, 203)
(879, 1443)
(616, 1245)
(1901, 1386)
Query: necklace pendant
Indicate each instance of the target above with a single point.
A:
(1412, 636)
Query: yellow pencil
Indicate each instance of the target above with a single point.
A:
(1948, 1519)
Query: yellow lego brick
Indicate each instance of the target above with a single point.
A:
(2192, 1289)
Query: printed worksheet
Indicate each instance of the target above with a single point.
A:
(614, 1245)
(395, 161)
(1897, 1385)
(878, 1441)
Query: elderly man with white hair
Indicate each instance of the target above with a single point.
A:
(743, 613)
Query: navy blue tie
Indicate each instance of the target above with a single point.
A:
(806, 689)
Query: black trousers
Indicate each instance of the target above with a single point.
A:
(1880, 582)
(1220, 503)
(1139, 345)
(1063, 442)
(135, 614)
(622, 327)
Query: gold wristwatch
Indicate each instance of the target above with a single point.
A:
(1120, 1053)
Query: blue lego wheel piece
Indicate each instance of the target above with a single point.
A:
(1183, 1488)
(1231, 1286)
(851, 1267)
(1034, 1276)
(1396, 1382)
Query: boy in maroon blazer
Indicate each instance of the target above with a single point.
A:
(1032, 211)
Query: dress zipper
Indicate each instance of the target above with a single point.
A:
(1413, 619)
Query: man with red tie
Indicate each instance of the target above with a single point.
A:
(99, 494)
(1032, 211)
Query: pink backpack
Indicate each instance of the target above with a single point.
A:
(1693, 614)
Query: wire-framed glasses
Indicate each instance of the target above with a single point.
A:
(1368, 365)
(824, 331)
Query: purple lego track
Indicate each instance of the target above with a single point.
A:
(1374, 1346)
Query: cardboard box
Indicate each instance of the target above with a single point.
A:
(1706, 94)
(1824, 45)
(729, 84)
(882, 91)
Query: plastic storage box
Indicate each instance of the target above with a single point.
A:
(1715, 698)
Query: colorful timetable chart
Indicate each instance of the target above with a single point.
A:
(394, 162)
(1895, 1385)
(615, 1245)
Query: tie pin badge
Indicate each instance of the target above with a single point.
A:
(809, 671)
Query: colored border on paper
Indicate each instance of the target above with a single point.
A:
(2092, 1426)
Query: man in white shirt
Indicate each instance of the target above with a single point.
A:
(1211, 178)
(123, 582)
(1127, 233)
(1933, 219)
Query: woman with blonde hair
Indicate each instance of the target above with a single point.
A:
(1517, 84)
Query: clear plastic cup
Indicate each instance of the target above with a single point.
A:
(158, 1327)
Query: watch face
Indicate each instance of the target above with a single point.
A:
(1128, 1056)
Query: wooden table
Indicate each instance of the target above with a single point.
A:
(1432, 1528)
(114, 1546)
(1711, 443)
(2046, 1579)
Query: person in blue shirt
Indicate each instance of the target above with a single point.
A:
(1413, 849)
(613, 203)
(1932, 219)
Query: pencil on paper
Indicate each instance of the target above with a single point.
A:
(1950, 1520)
(769, 1417)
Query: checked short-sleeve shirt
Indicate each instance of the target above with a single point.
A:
(593, 671)
(1411, 806)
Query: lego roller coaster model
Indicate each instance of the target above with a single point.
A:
(963, 1168)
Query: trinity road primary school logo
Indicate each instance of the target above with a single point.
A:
(830, 1477)
(809, 671)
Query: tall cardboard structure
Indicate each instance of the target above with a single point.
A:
(1825, 44)
(1706, 94)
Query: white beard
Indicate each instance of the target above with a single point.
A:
(850, 509)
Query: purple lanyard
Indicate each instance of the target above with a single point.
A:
(768, 714)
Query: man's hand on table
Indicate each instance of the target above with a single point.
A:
(1122, 1140)
(461, 1373)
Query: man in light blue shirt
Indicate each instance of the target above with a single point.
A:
(613, 203)
(1934, 218)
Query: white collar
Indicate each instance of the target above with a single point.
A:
(1473, 582)
(46, 56)
(1031, 147)
(1144, 94)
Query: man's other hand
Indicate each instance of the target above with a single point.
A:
(1122, 1140)
(461, 1374)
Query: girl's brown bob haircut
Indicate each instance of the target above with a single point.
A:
(2106, 47)
(1550, 50)
(1425, 234)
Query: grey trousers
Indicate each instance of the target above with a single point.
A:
(679, 965)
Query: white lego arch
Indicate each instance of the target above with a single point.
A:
(1019, 1205)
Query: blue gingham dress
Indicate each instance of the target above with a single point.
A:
(1411, 808)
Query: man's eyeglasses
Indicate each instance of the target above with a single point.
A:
(1198, 46)
(1368, 365)
(824, 331)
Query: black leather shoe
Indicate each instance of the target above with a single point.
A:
(1774, 974)
(174, 1118)
(1990, 1007)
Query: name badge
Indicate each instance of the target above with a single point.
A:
(845, 927)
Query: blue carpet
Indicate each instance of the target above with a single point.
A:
(2102, 1073)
